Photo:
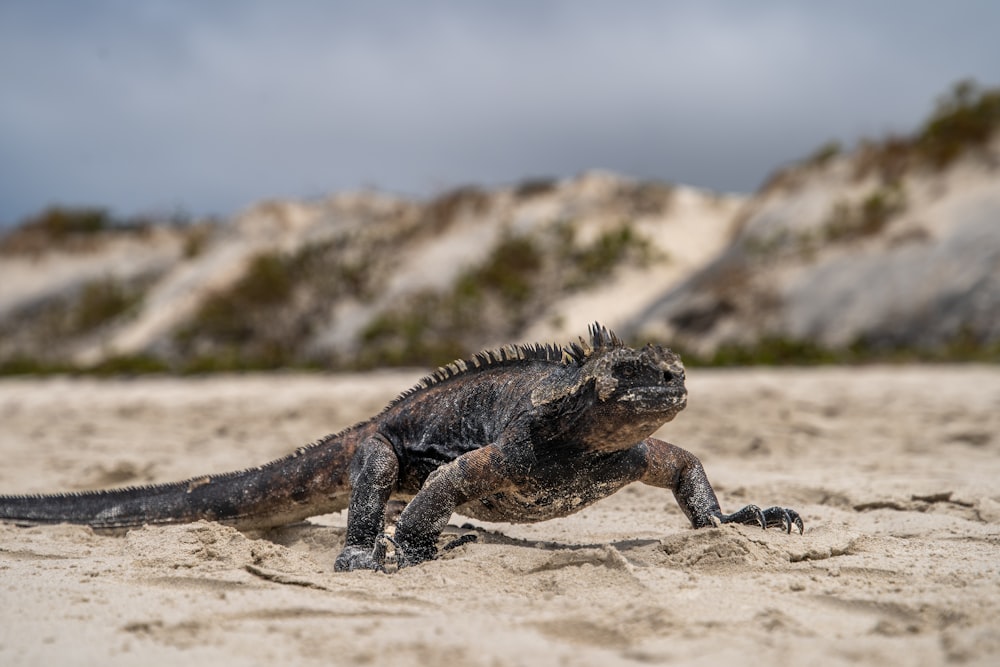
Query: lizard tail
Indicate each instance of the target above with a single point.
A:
(311, 481)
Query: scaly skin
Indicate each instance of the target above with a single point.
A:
(520, 434)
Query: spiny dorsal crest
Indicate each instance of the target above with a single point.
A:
(601, 339)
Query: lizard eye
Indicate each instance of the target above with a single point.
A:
(628, 371)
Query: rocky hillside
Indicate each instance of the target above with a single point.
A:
(890, 248)
(355, 281)
(893, 248)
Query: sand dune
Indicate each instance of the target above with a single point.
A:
(894, 470)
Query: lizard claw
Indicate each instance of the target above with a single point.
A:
(787, 517)
(751, 514)
(378, 551)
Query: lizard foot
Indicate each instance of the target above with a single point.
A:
(360, 558)
(408, 555)
(459, 541)
(772, 516)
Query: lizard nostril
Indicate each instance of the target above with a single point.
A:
(668, 377)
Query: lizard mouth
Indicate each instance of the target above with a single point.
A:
(655, 399)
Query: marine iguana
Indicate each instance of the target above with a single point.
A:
(519, 434)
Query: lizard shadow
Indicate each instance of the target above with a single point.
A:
(486, 536)
(311, 536)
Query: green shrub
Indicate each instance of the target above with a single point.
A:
(535, 187)
(137, 364)
(508, 271)
(196, 239)
(420, 335)
(867, 218)
(609, 250)
(440, 212)
(965, 119)
(265, 319)
(240, 314)
(67, 228)
(822, 155)
(59, 222)
(649, 198)
(773, 351)
(589, 264)
(26, 365)
(783, 351)
(94, 305)
(433, 327)
(100, 302)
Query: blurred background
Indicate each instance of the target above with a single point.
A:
(246, 185)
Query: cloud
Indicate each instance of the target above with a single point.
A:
(211, 106)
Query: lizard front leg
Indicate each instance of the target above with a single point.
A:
(374, 470)
(473, 475)
(670, 467)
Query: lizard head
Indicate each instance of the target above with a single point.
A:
(618, 395)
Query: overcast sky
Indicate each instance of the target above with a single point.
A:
(205, 107)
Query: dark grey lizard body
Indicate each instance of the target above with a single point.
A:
(520, 434)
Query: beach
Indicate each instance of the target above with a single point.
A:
(894, 469)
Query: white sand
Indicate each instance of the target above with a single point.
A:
(895, 471)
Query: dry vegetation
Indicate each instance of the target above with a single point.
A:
(269, 317)
(964, 122)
